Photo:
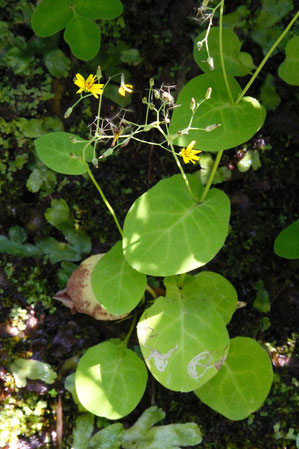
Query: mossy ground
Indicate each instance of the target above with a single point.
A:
(263, 202)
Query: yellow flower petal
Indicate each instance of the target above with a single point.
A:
(125, 88)
(79, 81)
(188, 154)
(88, 85)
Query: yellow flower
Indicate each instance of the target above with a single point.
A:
(188, 154)
(88, 85)
(125, 88)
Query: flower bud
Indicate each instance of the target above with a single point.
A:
(99, 72)
(73, 140)
(167, 97)
(210, 62)
(211, 127)
(95, 162)
(144, 100)
(151, 106)
(192, 104)
(199, 45)
(151, 82)
(208, 93)
(68, 112)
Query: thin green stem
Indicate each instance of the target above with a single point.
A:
(148, 103)
(269, 53)
(152, 292)
(125, 342)
(107, 204)
(75, 104)
(182, 172)
(178, 163)
(211, 177)
(99, 114)
(221, 53)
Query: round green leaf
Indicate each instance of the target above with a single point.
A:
(116, 285)
(243, 382)
(234, 66)
(287, 242)
(110, 380)
(167, 232)
(289, 69)
(58, 152)
(57, 63)
(51, 16)
(182, 338)
(238, 122)
(101, 9)
(215, 289)
(83, 36)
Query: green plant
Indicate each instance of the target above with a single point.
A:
(81, 33)
(59, 216)
(175, 227)
(23, 369)
(287, 242)
(142, 435)
(21, 417)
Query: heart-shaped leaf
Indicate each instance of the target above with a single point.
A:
(110, 379)
(63, 152)
(287, 242)
(51, 16)
(231, 49)
(101, 9)
(116, 285)
(183, 339)
(243, 382)
(215, 289)
(289, 69)
(238, 122)
(83, 36)
(167, 232)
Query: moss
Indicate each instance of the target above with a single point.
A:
(30, 282)
(21, 417)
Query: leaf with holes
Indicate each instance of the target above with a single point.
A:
(238, 122)
(234, 65)
(243, 382)
(167, 232)
(110, 379)
(63, 152)
(118, 287)
(183, 339)
(215, 289)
